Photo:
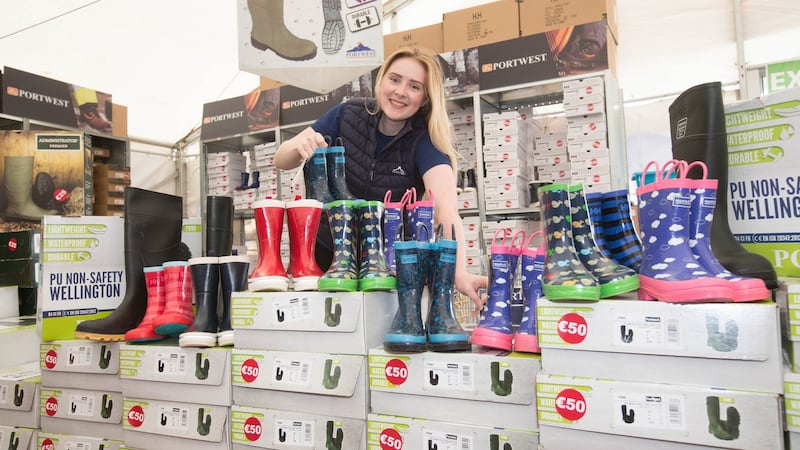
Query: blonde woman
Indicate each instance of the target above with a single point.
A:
(400, 139)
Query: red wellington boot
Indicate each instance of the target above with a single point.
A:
(156, 300)
(178, 314)
(303, 221)
(269, 274)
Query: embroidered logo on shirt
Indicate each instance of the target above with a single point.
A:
(398, 170)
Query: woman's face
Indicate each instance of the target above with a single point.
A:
(402, 89)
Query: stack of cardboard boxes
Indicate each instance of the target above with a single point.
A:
(110, 182)
(20, 383)
(587, 142)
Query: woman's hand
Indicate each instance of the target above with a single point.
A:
(468, 284)
(291, 153)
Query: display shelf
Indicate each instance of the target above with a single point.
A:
(240, 142)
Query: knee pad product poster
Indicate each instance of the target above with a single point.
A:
(317, 45)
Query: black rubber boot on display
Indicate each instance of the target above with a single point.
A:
(205, 278)
(697, 127)
(219, 226)
(152, 236)
(233, 272)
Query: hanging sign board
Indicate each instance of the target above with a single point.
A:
(258, 110)
(783, 75)
(39, 98)
(552, 54)
(301, 105)
(314, 45)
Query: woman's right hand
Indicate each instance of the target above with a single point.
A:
(298, 149)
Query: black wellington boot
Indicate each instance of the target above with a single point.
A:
(205, 280)
(152, 236)
(219, 226)
(697, 126)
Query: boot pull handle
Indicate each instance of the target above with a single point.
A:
(673, 166)
(429, 235)
(328, 140)
(538, 248)
(687, 167)
(517, 249)
(339, 142)
(505, 232)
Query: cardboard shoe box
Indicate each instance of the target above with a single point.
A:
(286, 430)
(572, 439)
(81, 411)
(79, 364)
(170, 373)
(404, 433)
(456, 387)
(430, 37)
(700, 415)
(167, 425)
(538, 16)
(56, 441)
(480, 25)
(18, 438)
(325, 322)
(19, 341)
(725, 345)
(319, 383)
(19, 395)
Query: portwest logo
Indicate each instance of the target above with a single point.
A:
(223, 117)
(305, 101)
(36, 97)
(514, 63)
(360, 51)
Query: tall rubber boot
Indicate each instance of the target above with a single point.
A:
(471, 183)
(255, 183)
(392, 220)
(303, 221)
(233, 278)
(494, 327)
(243, 182)
(704, 200)
(205, 281)
(613, 278)
(564, 277)
(594, 203)
(342, 275)
(373, 275)
(531, 267)
(178, 314)
(19, 189)
(156, 300)
(269, 274)
(337, 175)
(669, 270)
(269, 32)
(697, 128)
(315, 175)
(219, 226)
(152, 236)
(444, 332)
(407, 334)
(726, 430)
(620, 235)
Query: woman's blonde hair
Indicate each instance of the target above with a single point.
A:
(433, 110)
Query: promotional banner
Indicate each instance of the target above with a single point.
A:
(764, 182)
(255, 111)
(553, 54)
(783, 75)
(317, 45)
(300, 105)
(35, 97)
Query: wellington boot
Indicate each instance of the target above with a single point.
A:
(531, 268)
(243, 182)
(703, 192)
(621, 240)
(315, 175)
(494, 327)
(156, 300)
(269, 32)
(205, 281)
(373, 274)
(255, 181)
(337, 175)
(303, 222)
(233, 278)
(419, 211)
(613, 278)
(444, 332)
(392, 220)
(406, 333)
(219, 226)
(152, 236)
(470, 183)
(669, 271)
(19, 189)
(178, 314)
(342, 275)
(565, 277)
(594, 203)
(269, 274)
(697, 128)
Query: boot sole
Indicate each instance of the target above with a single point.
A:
(451, 346)
(377, 284)
(405, 347)
(555, 293)
(492, 339)
(338, 285)
(620, 286)
(100, 336)
(688, 291)
(264, 47)
(197, 339)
